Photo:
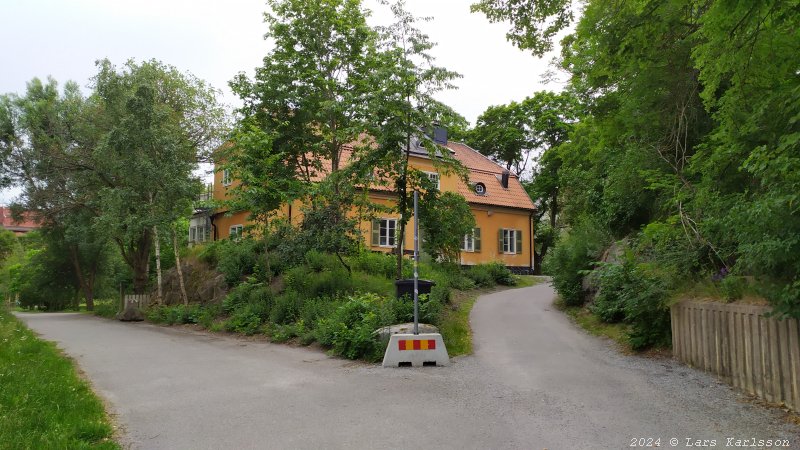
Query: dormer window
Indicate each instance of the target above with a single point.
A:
(480, 188)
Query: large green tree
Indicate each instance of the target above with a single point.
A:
(156, 123)
(53, 139)
(403, 109)
(115, 164)
(304, 111)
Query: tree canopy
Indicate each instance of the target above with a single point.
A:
(690, 132)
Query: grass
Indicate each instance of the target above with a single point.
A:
(454, 324)
(617, 332)
(43, 401)
(528, 280)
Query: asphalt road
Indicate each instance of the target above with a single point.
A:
(535, 381)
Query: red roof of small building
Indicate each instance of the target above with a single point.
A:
(7, 221)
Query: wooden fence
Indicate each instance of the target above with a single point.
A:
(757, 354)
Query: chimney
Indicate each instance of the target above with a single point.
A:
(439, 135)
(504, 179)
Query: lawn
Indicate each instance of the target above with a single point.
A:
(43, 402)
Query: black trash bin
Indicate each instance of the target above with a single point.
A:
(406, 287)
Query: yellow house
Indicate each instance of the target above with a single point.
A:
(503, 212)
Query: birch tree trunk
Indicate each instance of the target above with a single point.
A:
(158, 264)
(178, 266)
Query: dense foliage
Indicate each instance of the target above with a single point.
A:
(108, 169)
(688, 145)
(314, 298)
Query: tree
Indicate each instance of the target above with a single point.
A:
(501, 132)
(402, 109)
(52, 139)
(303, 112)
(534, 23)
(45, 278)
(445, 218)
(156, 124)
(457, 125)
(690, 130)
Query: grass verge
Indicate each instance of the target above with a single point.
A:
(592, 324)
(454, 325)
(43, 402)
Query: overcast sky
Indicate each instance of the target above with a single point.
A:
(216, 39)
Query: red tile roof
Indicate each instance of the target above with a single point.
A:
(8, 222)
(481, 170)
(484, 170)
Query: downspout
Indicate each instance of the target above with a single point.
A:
(530, 243)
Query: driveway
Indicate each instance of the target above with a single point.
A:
(535, 381)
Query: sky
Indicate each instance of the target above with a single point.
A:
(215, 40)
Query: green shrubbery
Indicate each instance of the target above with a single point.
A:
(573, 255)
(490, 275)
(316, 297)
(631, 291)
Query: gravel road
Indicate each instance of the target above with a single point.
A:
(536, 381)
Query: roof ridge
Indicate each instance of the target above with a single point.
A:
(486, 158)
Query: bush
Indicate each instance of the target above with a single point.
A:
(318, 262)
(238, 259)
(733, 287)
(383, 264)
(247, 319)
(349, 331)
(170, 315)
(287, 308)
(573, 255)
(106, 308)
(489, 275)
(430, 309)
(609, 304)
(328, 283)
(500, 274)
(364, 282)
(481, 276)
(647, 309)
(316, 308)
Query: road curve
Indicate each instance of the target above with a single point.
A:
(535, 381)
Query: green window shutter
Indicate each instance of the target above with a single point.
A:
(500, 241)
(476, 234)
(519, 241)
(376, 232)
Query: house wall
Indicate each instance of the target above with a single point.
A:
(489, 219)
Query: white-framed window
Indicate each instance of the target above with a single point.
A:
(226, 177)
(434, 176)
(472, 241)
(192, 234)
(510, 241)
(236, 231)
(384, 232)
(201, 233)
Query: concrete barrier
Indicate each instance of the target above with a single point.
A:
(416, 350)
